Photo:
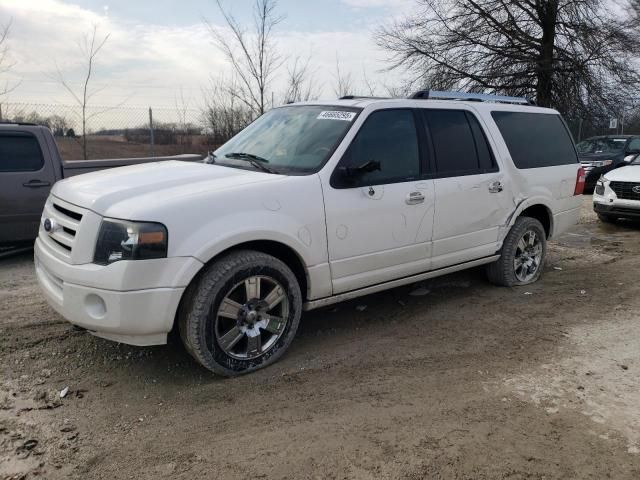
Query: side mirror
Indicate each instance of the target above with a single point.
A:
(368, 167)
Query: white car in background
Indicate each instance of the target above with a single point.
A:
(617, 193)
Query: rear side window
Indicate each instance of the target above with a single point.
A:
(634, 145)
(459, 143)
(20, 152)
(536, 139)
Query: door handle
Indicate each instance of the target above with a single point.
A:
(36, 184)
(495, 187)
(414, 198)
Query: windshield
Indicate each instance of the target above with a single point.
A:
(602, 145)
(289, 139)
(636, 161)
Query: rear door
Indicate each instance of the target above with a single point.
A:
(471, 196)
(25, 181)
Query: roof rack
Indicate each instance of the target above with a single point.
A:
(474, 97)
(24, 124)
(361, 97)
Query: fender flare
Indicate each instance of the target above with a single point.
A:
(521, 206)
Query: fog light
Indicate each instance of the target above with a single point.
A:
(95, 306)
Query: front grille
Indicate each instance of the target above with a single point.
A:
(67, 219)
(624, 190)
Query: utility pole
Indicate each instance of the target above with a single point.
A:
(151, 130)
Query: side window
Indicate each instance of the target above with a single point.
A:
(20, 152)
(388, 138)
(536, 140)
(486, 159)
(634, 145)
(459, 143)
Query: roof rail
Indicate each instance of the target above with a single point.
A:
(25, 124)
(358, 97)
(475, 97)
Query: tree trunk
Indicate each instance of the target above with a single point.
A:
(548, 19)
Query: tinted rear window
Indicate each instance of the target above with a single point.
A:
(536, 139)
(20, 152)
(452, 141)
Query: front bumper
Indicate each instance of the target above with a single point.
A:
(625, 210)
(129, 302)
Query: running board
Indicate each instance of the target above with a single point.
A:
(323, 302)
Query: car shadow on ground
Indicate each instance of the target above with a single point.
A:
(322, 333)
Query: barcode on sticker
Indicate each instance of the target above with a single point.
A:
(337, 115)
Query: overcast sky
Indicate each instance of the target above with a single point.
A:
(158, 47)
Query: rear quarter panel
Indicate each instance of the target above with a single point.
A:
(551, 186)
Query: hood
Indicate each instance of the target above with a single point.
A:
(121, 190)
(630, 173)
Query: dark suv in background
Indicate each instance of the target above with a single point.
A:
(599, 155)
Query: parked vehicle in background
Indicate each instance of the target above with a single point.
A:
(29, 166)
(599, 155)
(617, 193)
(312, 204)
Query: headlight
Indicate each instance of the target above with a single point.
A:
(121, 240)
(599, 190)
(602, 163)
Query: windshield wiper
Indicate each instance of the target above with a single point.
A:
(254, 160)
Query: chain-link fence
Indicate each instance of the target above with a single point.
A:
(117, 132)
(584, 128)
(125, 132)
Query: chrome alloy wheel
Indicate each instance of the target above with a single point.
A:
(251, 317)
(528, 257)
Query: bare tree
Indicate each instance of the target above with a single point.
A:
(575, 55)
(253, 56)
(5, 64)
(58, 124)
(370, 86)
(89, 47)
(224, 115)
(343, 82)
(300, 84)
(184, 126)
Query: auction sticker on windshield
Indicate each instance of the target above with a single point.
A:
(337, 115)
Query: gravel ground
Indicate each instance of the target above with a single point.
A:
(459, 380)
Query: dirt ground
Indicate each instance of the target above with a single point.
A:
(463, 381)
(99, 147)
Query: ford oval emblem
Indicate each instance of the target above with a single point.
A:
(50, 225)
(636, 189)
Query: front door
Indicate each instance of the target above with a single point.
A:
(25, 181)
(379, 210)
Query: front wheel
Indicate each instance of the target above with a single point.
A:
(242, 313)
(523, 252)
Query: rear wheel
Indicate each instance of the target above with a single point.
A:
(523, 253)
(242, 314)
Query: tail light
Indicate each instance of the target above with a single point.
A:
(580, 181)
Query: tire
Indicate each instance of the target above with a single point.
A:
(607, 218)
(505, 271)
(228, 310)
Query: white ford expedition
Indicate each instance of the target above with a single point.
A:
(311, 204)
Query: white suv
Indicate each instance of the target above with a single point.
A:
(312, 204)
(617, 193)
